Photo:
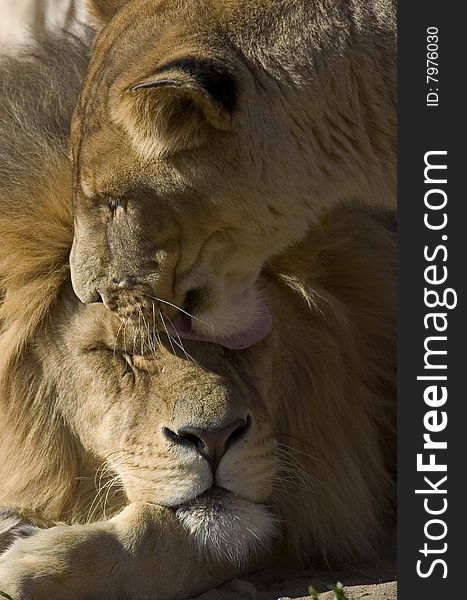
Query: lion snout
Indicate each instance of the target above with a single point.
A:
(201, 448)
(135, 301)
(211, 442)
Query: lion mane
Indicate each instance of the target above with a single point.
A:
(317, 458)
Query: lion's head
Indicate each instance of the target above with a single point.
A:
(184, 425)
(207, 138)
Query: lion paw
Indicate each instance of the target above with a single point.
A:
(56, 563)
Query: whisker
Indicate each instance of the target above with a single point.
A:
(156, 333)
(140, 330)
(109, 486)
(298, 471)
(98, 485)
(150, 338)
(304, 442)
(134, 340)
(210, 325)
(178, 336)
(116, 336)
(182, 347)
(124, 336)
(104, 471)
(290, 449)
(167, 332)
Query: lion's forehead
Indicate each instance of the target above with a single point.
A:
(203, 377)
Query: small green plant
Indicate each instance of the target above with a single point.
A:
(313, 593)
(5, 595)
(338, 590)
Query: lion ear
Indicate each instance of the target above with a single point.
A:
(178, 105)
(101, 11)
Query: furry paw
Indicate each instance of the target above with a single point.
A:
(58, 563)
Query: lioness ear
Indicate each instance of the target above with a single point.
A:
(101, 11)
(178, 105)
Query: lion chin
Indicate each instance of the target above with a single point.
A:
(230, 529)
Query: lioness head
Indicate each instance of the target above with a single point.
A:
(171, 201)
(204, 142)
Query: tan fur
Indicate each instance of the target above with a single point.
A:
(84, 400)
(223, 130)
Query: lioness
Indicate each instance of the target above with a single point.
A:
(172, 465)
(211, 134)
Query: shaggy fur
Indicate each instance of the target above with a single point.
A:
(86, 401)
(210, 135)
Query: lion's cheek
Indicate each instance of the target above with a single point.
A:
(250, 476)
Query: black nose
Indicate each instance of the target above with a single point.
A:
(211, 443)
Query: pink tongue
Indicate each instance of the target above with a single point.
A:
(238, 341)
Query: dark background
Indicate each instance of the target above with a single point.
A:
(422, 129)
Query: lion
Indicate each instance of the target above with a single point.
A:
(138, 465)
(211, 135)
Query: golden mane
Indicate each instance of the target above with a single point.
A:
(36, 222)
(38, 89)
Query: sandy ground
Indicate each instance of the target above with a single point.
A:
(296, 589)
(238, 590)
(375, 584)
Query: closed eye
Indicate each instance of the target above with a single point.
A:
(114, 359)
